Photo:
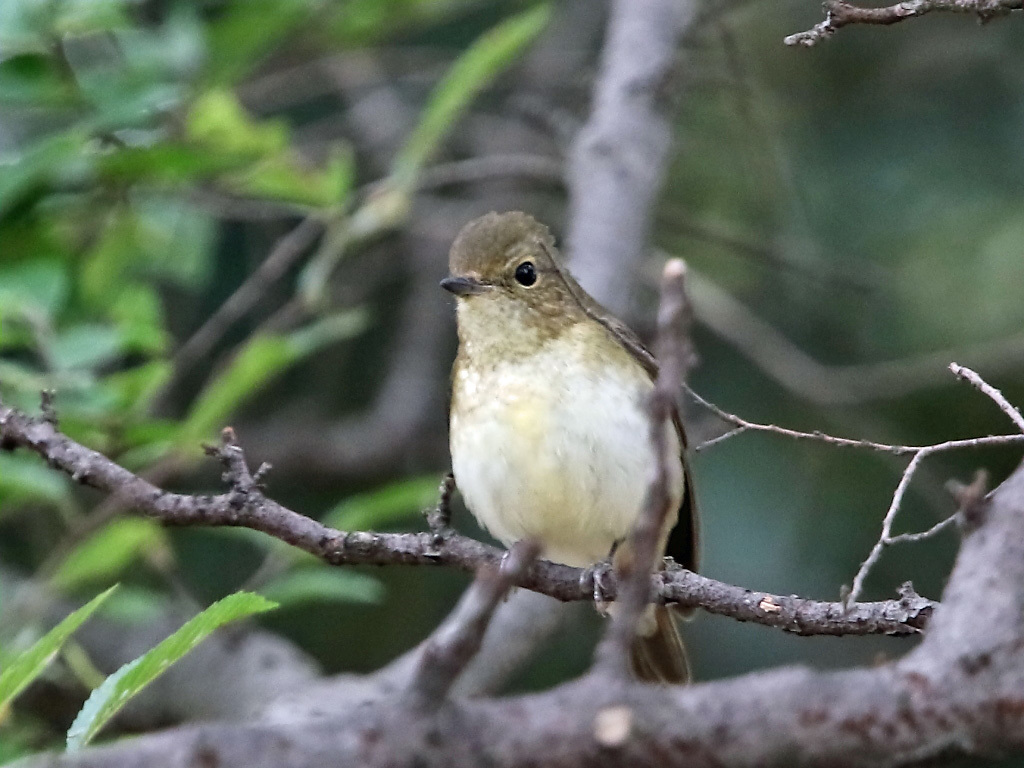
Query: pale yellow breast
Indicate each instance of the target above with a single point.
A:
(555, 446)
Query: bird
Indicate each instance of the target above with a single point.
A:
(548, 426)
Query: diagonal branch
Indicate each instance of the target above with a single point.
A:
(972, 378)
(285, 254)
(454, 644)
(253, 509)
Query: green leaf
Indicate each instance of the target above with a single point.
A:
(24, 479)
(170, 164)
(259, 361)
(484, 60)
(29, 665)
(262, 358)
(33, 79)
(218, 120)
(397, 501)
(140, 319)
(58, 158)
(147, 441)
(322, 584)
(364, 22)
(34, 287)
(154, 237)
(132, 390)
(252, 158)
(25, 26)
(247, 31)
(81, 17)
(106, 554)
(20, 380)
(282, 178)
(178, 240)
(107, 700)
(342, 325)
(85, 346)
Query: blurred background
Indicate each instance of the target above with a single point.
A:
(235, 212)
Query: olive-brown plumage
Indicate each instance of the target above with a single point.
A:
(548, 427)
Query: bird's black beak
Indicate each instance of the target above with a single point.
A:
(464, 286)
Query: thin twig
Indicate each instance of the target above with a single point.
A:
(839, 14)
(743, 425)
(721, 438)
(46, 399)
(439, 518)
(288, 250)
(971, 500)
(911, 538)
(613, 653)
(962, 372)
(957, 694)
(886, 538)
(475, 169)
(919, 455)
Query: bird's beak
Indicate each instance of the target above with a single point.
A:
(465, 286)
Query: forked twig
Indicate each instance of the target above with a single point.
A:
(919, 455)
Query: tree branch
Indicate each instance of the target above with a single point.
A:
(918, 456)
(839, 14)
(285, 254)
(917, 453)
(784, 362)
(958, 692)
(245, 505)
(454, 644)
(618, 159)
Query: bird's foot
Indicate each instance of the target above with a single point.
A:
(593, 579)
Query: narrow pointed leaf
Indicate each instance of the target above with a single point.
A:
(484, 60)
(20, 673)
(107, 700)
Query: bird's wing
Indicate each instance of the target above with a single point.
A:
(683, 543)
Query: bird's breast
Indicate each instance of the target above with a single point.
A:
(554, 447)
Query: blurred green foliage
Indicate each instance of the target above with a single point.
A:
(863, 198)
(116, 122)
(118, 689)
(20, 670)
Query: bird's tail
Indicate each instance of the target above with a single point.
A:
(658, 653)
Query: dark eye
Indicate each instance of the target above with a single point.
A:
(526, 273)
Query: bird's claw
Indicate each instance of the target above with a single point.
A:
(592, 578)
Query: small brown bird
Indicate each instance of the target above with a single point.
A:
(548, 427)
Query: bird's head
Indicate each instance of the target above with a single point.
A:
(504, 270)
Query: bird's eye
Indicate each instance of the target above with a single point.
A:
(526, 273)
